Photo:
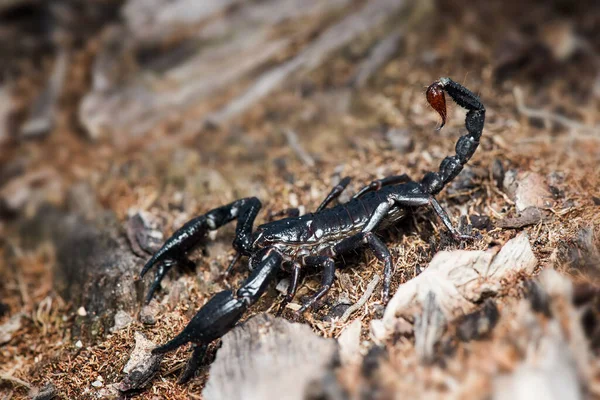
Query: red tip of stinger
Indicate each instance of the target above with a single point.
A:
(437, 100)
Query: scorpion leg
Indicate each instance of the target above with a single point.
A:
(193, 231)
(379, 183)
(326, 281)
(296, 267)
(378, 248)
(335, 193)
(446, 220)
(220, 314)
(231, 265)
(193, 362)
(420, 199)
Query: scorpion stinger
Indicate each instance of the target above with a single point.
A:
(316, 239)
(434, 182)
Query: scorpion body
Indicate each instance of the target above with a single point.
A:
(315, 239)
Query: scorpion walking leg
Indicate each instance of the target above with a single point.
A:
(379, 183)
(420, 199)
(326, 281)
(296, 267)
(193, 362)
(220, 314)
(193, 231)
(378, 248)
(335, 193)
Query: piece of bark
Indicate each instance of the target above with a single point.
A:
(527, 189)
(6, 109)
(47, 392)
(478, 323)
(43, 110)
(269, 358)
(556, 355)
(430, 325)
(144, 234)
(141, 366)
(94, 269)
(374, 13)
(349, 342)
(9, 328)
(378, 56)
(216, 53)
(529, 216)
(459, 279)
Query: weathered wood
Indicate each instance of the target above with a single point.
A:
(430, 325)
(373, 14)
(43, 110)
(556, 358)
(269, 358)
(215, 54)
(212, 54)
(459, 279)
(141, 366)
(95, 268)
(379, 55)
(6, 109)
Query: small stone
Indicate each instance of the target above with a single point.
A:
(527, 189)
(148, 313)
(9, 328)
(78, 344)
(141, 366)
(81, 312)
(481, 222)
(294, 200)
(97, 384)
(122, 319)
(144, 232)
(283, 285)
(400, 139)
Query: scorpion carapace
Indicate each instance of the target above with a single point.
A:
(316, 239)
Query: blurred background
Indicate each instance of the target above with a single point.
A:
(122, 119)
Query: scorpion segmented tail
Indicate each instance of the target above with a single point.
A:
(450, 167)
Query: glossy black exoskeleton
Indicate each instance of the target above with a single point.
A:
(314, 239)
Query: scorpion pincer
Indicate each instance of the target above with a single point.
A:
(315, 239)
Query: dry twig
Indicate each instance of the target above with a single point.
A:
(362, 301)
(574, 126)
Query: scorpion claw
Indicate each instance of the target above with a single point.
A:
(222, 312)
(213, 320)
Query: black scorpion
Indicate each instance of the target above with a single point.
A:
(314, 239)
